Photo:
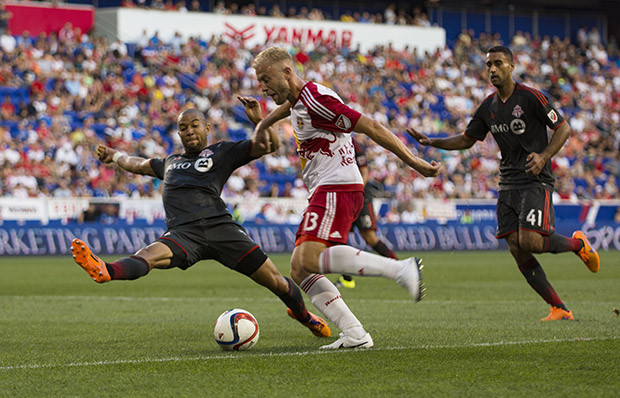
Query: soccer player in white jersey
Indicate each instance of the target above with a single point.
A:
(322, 124)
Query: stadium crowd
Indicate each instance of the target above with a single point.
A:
(63, 93)
(391, 15)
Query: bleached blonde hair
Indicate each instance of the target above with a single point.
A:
(272, 55)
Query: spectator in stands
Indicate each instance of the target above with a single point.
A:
(91, 214)
(276, 12)
(5, 17)
(8, 43)
(389, 14)
(195, 6)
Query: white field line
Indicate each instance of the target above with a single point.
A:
(254, 299)
(243, 355)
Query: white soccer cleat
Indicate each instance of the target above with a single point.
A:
(345, 341)
(410, 277)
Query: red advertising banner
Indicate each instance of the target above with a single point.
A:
(45, 17)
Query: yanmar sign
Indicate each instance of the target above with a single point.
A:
(304, 36)
(252, 31)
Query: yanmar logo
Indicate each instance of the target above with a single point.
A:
(239, 35)
(298, 35)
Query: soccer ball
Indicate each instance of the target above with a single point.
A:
(236, 330)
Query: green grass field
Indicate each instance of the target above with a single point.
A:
(477, 333)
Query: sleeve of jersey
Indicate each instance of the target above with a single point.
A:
(158, 166)
(477, 128)
(547, 113)
(238, 153)
(328, 113)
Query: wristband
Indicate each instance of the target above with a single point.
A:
(117, 156)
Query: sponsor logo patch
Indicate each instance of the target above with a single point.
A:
(343, 122)
(517, 126)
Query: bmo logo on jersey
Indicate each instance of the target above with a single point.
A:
(499, 128)
(517, 126)
(203, 164)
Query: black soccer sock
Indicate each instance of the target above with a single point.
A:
(556, 243)
(383, 250)
(535, 276)
(347, 278)
(128, 268)
(294, 300)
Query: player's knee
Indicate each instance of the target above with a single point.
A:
(297, 271)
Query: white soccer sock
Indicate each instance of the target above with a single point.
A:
(351, 261)
(326, 298)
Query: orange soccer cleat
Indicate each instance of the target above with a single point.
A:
(587, 254)
(558, 314)
(91, 263)
(317, 325)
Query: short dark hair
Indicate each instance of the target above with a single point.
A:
(502, 49)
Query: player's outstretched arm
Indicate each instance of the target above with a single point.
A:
(455, 142)
(266, 141)
(384, 137)
(133, 164)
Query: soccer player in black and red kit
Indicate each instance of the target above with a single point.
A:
(518, 116)
(199, 225)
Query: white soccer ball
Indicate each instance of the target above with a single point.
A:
(236, 330)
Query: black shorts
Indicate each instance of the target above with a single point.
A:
(366, 221)
(528, 209)
(225, 242)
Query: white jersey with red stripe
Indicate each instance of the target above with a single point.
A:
(322, 124)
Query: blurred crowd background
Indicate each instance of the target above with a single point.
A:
(62, 94)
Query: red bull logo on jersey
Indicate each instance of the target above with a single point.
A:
(321, 145)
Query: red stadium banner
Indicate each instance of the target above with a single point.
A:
(46, 17)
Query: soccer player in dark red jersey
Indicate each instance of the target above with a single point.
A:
(518, 116)
(199, 225)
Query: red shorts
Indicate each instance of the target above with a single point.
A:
(330, 214)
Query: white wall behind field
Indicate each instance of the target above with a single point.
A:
(129, 24)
